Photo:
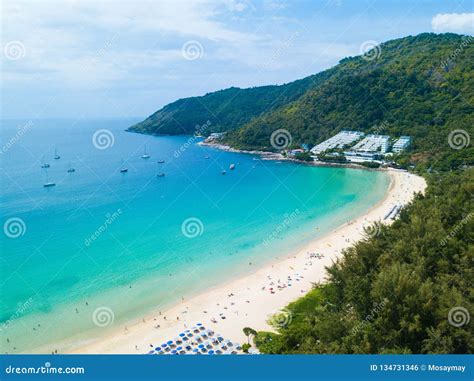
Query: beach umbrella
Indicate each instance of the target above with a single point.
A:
(195, 350)
(218, 352)
(182, 334)
(211, 352)
(151, 352)
(198, 324)
(174, 352)
(164, 345)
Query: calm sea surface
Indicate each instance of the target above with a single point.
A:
(131, 242)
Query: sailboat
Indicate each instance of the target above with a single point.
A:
(123, 169)
(48, 183)
(56, 156)
(232, 166)
(71, 169)
(161, 161)
(43, 164)
(145, 155)
(161, 174)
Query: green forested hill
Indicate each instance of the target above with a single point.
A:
(225, 109)
(411, 87)
(421, 86)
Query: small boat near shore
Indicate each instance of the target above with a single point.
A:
(232, 166)
(56, 155)
(223, 172)
(123, 169)
(160, 174)
(145, 154)
(48, 183)
(161, 161)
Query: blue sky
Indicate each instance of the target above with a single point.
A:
(84, 59)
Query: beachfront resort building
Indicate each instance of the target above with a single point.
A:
(339, 141)
(214, 136)
(371, 148)
(401, 144)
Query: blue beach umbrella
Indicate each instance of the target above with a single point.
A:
(211, 352)
(169, 342)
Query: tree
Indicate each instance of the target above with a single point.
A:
(249, 332)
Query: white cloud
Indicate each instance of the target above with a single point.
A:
(96, 43)
(453, 22)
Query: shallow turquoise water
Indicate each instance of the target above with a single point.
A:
(140, 258)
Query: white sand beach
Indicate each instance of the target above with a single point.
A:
(249, 300)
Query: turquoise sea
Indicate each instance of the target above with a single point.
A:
(133, 242)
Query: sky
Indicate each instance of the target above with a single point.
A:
(93, 59)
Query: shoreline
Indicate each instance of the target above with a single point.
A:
(265, 155)
(248, 300)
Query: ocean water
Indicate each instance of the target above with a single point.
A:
(123, 244)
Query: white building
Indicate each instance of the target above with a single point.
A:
(339, 140)
(401, 144)
(373, 144)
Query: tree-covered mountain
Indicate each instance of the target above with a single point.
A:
(225, 109)
(422, 86)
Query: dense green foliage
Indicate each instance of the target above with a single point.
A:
(225, 109)
(392, 293)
